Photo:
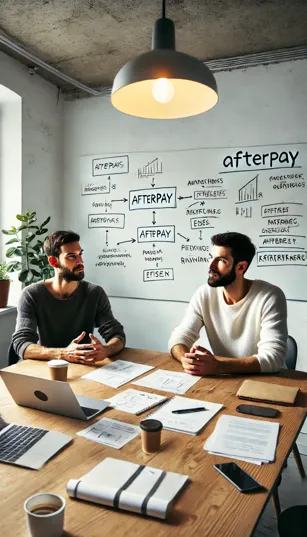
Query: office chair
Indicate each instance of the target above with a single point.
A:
(290, 359)
(293, 522)
(13, 357)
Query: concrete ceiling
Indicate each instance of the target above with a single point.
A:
(91, 39)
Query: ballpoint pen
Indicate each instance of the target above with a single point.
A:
(188, 410)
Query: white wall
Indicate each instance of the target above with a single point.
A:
(34, 180)
(260, 105)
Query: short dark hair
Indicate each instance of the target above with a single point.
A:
(242, 248)
(53, 243)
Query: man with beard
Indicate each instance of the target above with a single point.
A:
(245, 320)
(56, 317)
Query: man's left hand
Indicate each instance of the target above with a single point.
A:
(200, 361)
(99, 352)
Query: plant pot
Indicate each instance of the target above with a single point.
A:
(4, 292)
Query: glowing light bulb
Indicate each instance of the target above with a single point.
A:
(163, 90)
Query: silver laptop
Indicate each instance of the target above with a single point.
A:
(52, 396)
(30, 446)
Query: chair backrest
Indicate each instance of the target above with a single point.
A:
(13, 357)
(291, 354)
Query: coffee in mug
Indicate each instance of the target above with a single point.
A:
(58, 370)
(151, 435)
(44, 509)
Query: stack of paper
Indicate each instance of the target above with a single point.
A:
(189, 422)
(244, 439)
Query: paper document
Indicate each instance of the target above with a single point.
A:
(168, 381)
(126, 485)
(190, 423)
(110, 432)
(244, 438)
(135, 401)
(118, 373)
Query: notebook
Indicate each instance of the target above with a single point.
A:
(191, 423)
(135, 401)
(267, 393)
(129, 486)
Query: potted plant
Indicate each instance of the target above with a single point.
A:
(26, 244)
(4, 284)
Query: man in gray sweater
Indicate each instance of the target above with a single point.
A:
(56, 317)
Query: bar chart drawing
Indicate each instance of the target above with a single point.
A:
(249, 191)
(152, 168)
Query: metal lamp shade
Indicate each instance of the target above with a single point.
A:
(195, 86)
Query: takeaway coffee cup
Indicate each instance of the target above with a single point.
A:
(58, 370)
(45, 515)
(151, 435)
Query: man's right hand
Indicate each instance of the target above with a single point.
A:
(78, 353)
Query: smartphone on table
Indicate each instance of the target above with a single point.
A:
(254, 410)
(238, 477)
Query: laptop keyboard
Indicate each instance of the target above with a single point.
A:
(89, 411)
(17, 440)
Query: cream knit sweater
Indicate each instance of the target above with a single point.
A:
(254, 326)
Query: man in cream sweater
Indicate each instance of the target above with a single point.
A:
(245, 320)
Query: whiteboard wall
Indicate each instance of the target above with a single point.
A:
(147, 218)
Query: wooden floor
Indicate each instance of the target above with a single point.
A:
(292, 491)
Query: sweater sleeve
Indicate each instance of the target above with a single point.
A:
(188, 330)
(26, 324)
(108, 326)
(273, 334)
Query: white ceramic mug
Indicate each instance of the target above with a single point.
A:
(45, 514)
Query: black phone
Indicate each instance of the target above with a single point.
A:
(238, 477)
(263, 411)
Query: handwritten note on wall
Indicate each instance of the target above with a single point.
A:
(148, 217)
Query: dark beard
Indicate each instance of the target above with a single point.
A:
(223, 281)
(71, 275)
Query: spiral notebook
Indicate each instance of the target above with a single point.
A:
(190, 423)
(135, 401)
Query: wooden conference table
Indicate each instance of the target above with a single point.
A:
(208, 506)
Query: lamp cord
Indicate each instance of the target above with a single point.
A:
(163, 9)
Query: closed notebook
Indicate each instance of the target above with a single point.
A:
(129, 486)
(267, 393)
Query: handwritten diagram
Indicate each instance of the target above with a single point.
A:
(152, 240)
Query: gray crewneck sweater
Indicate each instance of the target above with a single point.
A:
(54, 322)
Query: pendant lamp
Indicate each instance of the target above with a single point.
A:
(164, 83)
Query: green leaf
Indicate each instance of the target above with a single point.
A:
(11, 241)
(35, 262)
(24, 274)
(31, 220)
(10, 252)
(13, 266)
(30, 238)
(42, 231)
(33, 214)
(8, 231)
(20, 228)
(36, 273)
(46, 221)
(21, 217)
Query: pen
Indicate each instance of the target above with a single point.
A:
(187, 410)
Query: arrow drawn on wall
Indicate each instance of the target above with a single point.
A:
(193, 204)
(107, 237)
(186, 238)
(184, 197)
(154, 217)
(122, 242)
(152, 182)
(123, 199)
(200, 235)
